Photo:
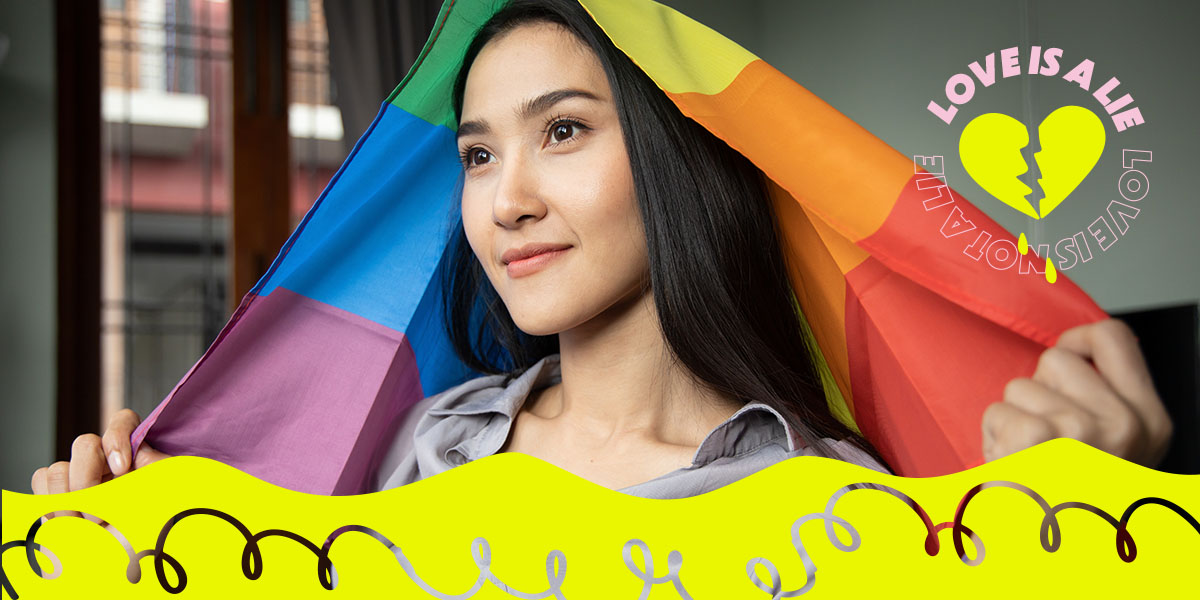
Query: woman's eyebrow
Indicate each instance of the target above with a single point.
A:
(529, 109)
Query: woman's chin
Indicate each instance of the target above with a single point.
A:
(538, 327)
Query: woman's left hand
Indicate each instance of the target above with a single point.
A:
(1112, 406)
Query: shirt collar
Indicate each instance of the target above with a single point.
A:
(485, 399)
(751, 427)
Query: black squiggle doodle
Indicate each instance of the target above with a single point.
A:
(8, 588)
(775, 587)
(674, 563)
(481, 552)
(252, 563)
(1050, 535)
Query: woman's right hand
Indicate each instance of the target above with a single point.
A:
(96, 459)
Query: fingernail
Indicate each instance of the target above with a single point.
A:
(116, 462)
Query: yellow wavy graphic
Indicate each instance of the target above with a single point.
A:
(1060, 518)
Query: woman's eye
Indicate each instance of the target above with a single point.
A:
(473, 157)
(563, 131)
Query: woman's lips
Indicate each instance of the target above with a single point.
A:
(533, 264)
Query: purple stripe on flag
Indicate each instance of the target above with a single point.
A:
(299, 393)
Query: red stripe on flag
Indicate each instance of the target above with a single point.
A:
(947, 249)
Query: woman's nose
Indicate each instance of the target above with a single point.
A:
(517, 198)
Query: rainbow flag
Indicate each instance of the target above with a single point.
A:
(344, 333)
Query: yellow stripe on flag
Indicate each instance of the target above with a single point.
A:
(656, 36)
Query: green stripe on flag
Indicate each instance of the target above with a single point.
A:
(425, 91)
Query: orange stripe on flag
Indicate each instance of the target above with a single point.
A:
(850, 184)
(819, 284)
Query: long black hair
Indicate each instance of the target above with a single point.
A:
(718, 275)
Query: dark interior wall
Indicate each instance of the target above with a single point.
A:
(27, 241)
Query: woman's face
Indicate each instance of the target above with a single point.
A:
(545, 165)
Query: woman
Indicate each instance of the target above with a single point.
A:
(618, 271)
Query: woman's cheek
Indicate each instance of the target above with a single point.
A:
(473, 217)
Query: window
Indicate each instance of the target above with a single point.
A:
(167, 129)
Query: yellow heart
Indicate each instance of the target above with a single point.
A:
(1072, 139)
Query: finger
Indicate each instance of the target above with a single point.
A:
(1069, 374)
(1064, 415)
(38, 483)
(116, 441)
(147, 454)
(58, 477)
(1114, 349)
(87, 462)
(1120, 428)
(1010, 429)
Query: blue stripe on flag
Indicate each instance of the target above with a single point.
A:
(371, 244)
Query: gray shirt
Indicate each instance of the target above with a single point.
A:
(472, 420)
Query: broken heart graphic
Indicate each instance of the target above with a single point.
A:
(1071, 138)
